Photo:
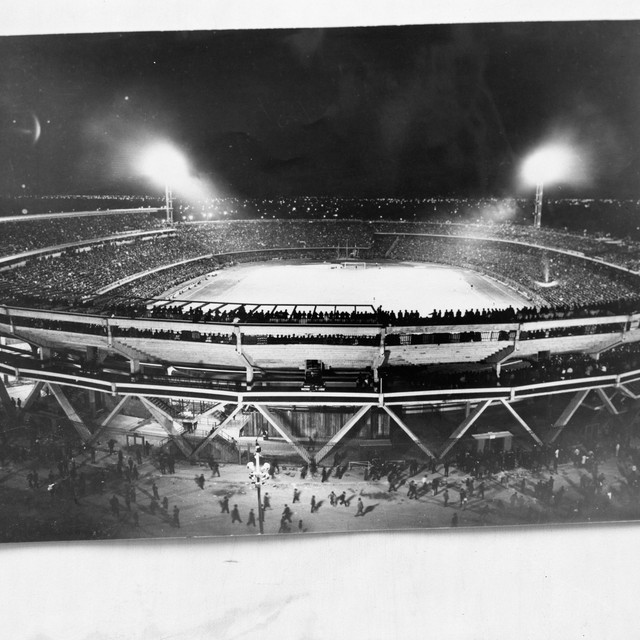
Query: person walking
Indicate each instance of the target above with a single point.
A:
(235, 514)
(296, 495)
(266, 502)
(225, 505)
(313, 504)
(445, 497)
(360, 509)
(286, 514)
(454, 520)
(284, 527)
(165, 503)
(252, 519)
(176, 516)
(115, 505)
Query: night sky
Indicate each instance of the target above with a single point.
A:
(412, 111)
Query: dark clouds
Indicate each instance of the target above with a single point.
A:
(392, 111)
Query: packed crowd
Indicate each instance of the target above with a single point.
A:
(576, 281)
(576, 288)
(78, 273)
(556, 367)
(28, 235)
(335, 339)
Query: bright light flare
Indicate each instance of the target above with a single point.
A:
(550, 165)
(164, 164)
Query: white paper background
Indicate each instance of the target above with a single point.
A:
(580, 582)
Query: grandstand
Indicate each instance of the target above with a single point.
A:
(100, 311)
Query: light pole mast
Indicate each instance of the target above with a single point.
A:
(168, 202)
(537, 214)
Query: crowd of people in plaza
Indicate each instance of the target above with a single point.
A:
(479, 486)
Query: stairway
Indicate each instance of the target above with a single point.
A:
(165, 407)
(131, 352)
(499, 356)
(226, 442)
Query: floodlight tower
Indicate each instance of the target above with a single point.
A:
(548, 165)
(166, 166)
(537, 212)
(168, 198)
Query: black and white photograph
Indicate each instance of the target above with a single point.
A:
(319, 280)
(270, 283)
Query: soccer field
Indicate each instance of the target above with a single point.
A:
(394, 286)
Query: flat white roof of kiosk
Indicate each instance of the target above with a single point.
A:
(492, 435)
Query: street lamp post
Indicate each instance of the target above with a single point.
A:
(258, 477)
(258, 486)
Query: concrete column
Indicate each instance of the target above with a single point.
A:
(92, 403)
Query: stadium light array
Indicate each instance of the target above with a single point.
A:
(548, 165)
(166, 166)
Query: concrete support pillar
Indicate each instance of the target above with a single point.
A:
(567, 414)
(92, 403)
(462, 429)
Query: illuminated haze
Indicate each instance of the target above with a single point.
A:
(424, 111)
